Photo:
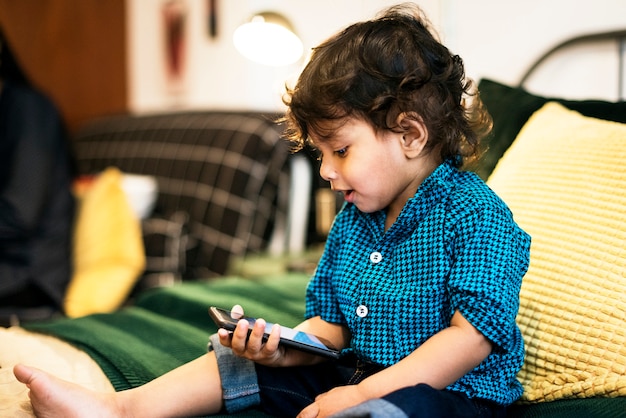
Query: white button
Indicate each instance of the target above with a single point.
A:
(376, 257)
(361, 311)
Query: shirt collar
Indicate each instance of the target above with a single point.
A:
(431, 191)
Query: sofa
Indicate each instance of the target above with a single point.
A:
(561, 172)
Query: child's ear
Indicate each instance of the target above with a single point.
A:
(415, 135)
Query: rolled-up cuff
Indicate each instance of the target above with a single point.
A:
(240, 386)
(375, 408)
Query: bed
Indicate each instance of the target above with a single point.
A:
(571, 198)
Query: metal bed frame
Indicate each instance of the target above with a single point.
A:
(619, 36)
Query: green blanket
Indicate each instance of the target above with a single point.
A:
(170, 326)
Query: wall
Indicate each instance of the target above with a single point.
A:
(217, 76)
(74, 51)
(501, 38)
(496, 38)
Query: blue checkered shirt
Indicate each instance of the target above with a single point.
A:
(453, 247)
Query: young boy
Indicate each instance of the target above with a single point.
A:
(420, 277)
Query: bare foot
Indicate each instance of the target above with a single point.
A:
(53, 397)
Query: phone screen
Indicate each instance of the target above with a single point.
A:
(299, 336)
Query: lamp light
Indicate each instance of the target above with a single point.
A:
(268, 38)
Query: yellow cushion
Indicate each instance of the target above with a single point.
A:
(108, 249)
(564, 178)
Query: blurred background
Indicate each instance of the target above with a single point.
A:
(98, 57)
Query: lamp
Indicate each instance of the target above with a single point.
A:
(268, 38)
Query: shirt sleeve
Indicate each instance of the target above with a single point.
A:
(321, 298)
(490, 257)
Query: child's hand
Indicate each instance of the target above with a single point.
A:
(253, 347)
(333, 401)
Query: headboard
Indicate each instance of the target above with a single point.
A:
(586, 66)
(511, 106)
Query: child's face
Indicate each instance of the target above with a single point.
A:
(368, 167)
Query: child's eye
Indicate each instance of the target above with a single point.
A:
(342, 152)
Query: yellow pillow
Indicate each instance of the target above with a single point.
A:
(564, 178)
(108, 249)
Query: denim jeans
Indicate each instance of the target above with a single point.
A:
(278, 391)
(240, 389)
(423, 401)
(285, 391)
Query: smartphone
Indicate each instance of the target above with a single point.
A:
(288, 336)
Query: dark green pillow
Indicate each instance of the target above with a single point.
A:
(510, 108)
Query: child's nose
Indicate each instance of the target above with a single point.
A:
(327, 171)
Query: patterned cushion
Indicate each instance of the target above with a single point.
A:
(222, 168)
(564, 178)
(165, 241)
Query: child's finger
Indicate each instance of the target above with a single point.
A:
(224, 336)
(271, 345)
(236, 311)
(239, 337)
(256, 340)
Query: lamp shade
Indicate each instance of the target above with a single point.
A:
(268, 38)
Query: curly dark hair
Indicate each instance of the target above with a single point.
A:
(378, 69)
